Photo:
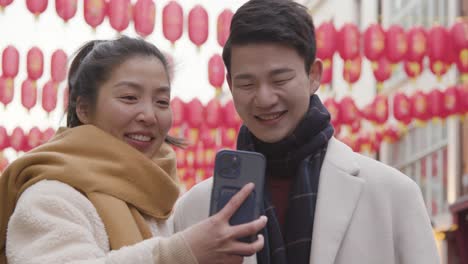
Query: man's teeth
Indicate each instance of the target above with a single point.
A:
(140, 137)
(269, 117)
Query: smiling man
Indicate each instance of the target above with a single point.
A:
(325, 203)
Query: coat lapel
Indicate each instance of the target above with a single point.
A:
(338, 195)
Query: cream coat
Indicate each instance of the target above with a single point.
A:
(367, 213)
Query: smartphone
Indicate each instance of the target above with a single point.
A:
(234, 169)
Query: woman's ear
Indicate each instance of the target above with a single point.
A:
(82, 110)
(315, 75)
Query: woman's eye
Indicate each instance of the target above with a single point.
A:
(129, 98)
(163, 102)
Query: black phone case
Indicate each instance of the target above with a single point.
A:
(234, 169)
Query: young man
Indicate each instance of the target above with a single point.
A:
(325, 204)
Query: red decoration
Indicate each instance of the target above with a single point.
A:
(213, 114)
(228, 137)
(420, 108)
(436, 101)
(66, 9)
(58, 66)
(402, 108)
(391, 134)
(348, 110)
(35, 63)
(178, 111)
(49, 96)
(194, 111)
(452, 101)
(334, 108)
(28, 94)
(216, 71)
(381, 109)
(4, 3)
(463, 91)
(4, 139)
(395, 44)
(352, 70)
(459, 36)
(224, 26)
(438, 39)
(120, 13)
(327, 71)
(18, 139)
(382, 71)
(36, 6)
(413, 68)
(208, 136)
(10, 62)
(349, 42)
(231, 118)
(6, 90)
(374, 42)
(173, 21)
(144, 13)
(198, 25)
(439, 68)
(417, 44)
(355, 126)
(47, 135)
(326, 36)
(33, 138)
(94, 12)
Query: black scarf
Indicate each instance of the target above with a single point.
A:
(300, 156)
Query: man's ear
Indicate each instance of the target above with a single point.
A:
(229, 81)
(315, 75)
(82, 110)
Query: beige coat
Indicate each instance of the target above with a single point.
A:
(367, 213)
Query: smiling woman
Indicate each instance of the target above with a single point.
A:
(102, 190)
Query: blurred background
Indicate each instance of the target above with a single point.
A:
(395, 80)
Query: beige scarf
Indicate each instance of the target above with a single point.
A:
(118, 180)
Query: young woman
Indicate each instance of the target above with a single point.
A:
(102, 190)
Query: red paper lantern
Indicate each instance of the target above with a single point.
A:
(374, 42)
(178, 112)
(36, 6)
(4, 139)
(368, 112)
(66, 9)
(224, 26)
(34, 138)
(352, 70)
(35, 63)
(7, 90)
(198, 25)
(349, 111)
(463, 91)
(382, 71)
(334, 108)
(419, 106)
(381, 109)
(213, 114)
(199, 158)
(49, 96)
(120, 13)
(459, 36)
(413, 68)
(208, 136)
(144, 13)
(436, 101)
(452, 101)
(231, 118)
(356, 126)
(439, 68)
(28, 94)
(194, 111)
(210, 155)
(58, 66)
(18, 139)
(391, 134)
(327, 71)
(326, 37)
(395, 44)
(10, 62)
(349, 42)
(4, 3)
(216, 71)
(438, 39)
(47, 135)
(228, 137)
(94, 12)
(417, 44)
(402, 108)
(173, 21)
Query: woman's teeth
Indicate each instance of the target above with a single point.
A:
(140, 138)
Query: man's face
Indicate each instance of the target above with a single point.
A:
(271, 88)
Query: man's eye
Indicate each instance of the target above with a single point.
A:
(281, 82)
(129, 98)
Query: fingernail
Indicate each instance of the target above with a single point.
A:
(264, 218)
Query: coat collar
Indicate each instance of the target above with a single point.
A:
(339, 191)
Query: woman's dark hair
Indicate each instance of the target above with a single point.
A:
(93, 64)
(273, 21)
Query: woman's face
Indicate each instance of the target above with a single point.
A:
(134, 104)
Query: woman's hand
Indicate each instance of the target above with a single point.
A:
(214, 240)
